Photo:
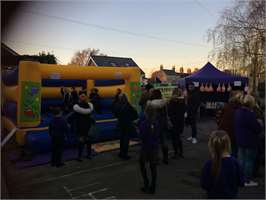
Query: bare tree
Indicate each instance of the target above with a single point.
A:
(239, 39)
(82, 57)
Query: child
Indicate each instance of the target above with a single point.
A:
(149, 134)
(58, 129)
(222, 175)
(83, 123)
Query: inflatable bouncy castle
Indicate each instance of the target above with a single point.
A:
(29, 90)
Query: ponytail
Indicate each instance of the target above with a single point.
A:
(219, 143)
(216, 161)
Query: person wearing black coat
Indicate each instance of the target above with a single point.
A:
(176, 110)
(115, 101)
(145, 96)
(66, 98)
(83, 122)
(58, 131)
(95, 99)
(193, 103)
(126, 114)
(74, 96)
(159, 104)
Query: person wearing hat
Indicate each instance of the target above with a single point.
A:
(83, 122)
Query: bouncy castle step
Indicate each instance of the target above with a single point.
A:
(68, 155)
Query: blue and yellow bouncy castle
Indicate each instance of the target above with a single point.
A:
(31, 88)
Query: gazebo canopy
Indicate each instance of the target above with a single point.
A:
(210, 74)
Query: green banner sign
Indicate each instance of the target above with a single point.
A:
(166, 89)
(135, 93)
(30, 109)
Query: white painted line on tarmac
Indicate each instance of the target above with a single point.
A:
(100, 190)
(85, 186)
(73, 173)
(110, 197)
(68, 192)
(91, 194)
(84, 195)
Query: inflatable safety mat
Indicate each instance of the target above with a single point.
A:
(110, 145)
(69, 154)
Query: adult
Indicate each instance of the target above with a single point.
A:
(83, 122)
(159, 104)
(176, 111)
(260, 158)
(247, 129)
(149, 129)
(145, 96)
(74, 96)
(95, 99)
(226, 120)
(66, 98)
(115, 101)
(125, 114)
(193, 103)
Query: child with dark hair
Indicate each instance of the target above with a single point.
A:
(58, 130)
(222, 175)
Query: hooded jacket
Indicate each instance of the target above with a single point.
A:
(247, 128)
(160, 110)
(150, 129)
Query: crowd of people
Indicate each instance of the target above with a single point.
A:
(235, 147)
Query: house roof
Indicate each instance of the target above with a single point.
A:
(182, 75)
(169, 72)
(8, 56)
(115, 62)
(9, 50)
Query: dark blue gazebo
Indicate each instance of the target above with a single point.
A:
(210, 74)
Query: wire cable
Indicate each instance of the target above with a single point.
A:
(115, 29)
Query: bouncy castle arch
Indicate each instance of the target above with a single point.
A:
(29, 91)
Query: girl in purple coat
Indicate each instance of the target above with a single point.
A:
(222, 175)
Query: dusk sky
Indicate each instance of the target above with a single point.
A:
(151, 32)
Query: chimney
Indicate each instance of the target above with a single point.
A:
(161, 67)
(173, 68)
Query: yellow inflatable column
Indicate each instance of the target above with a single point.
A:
(90, 85)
